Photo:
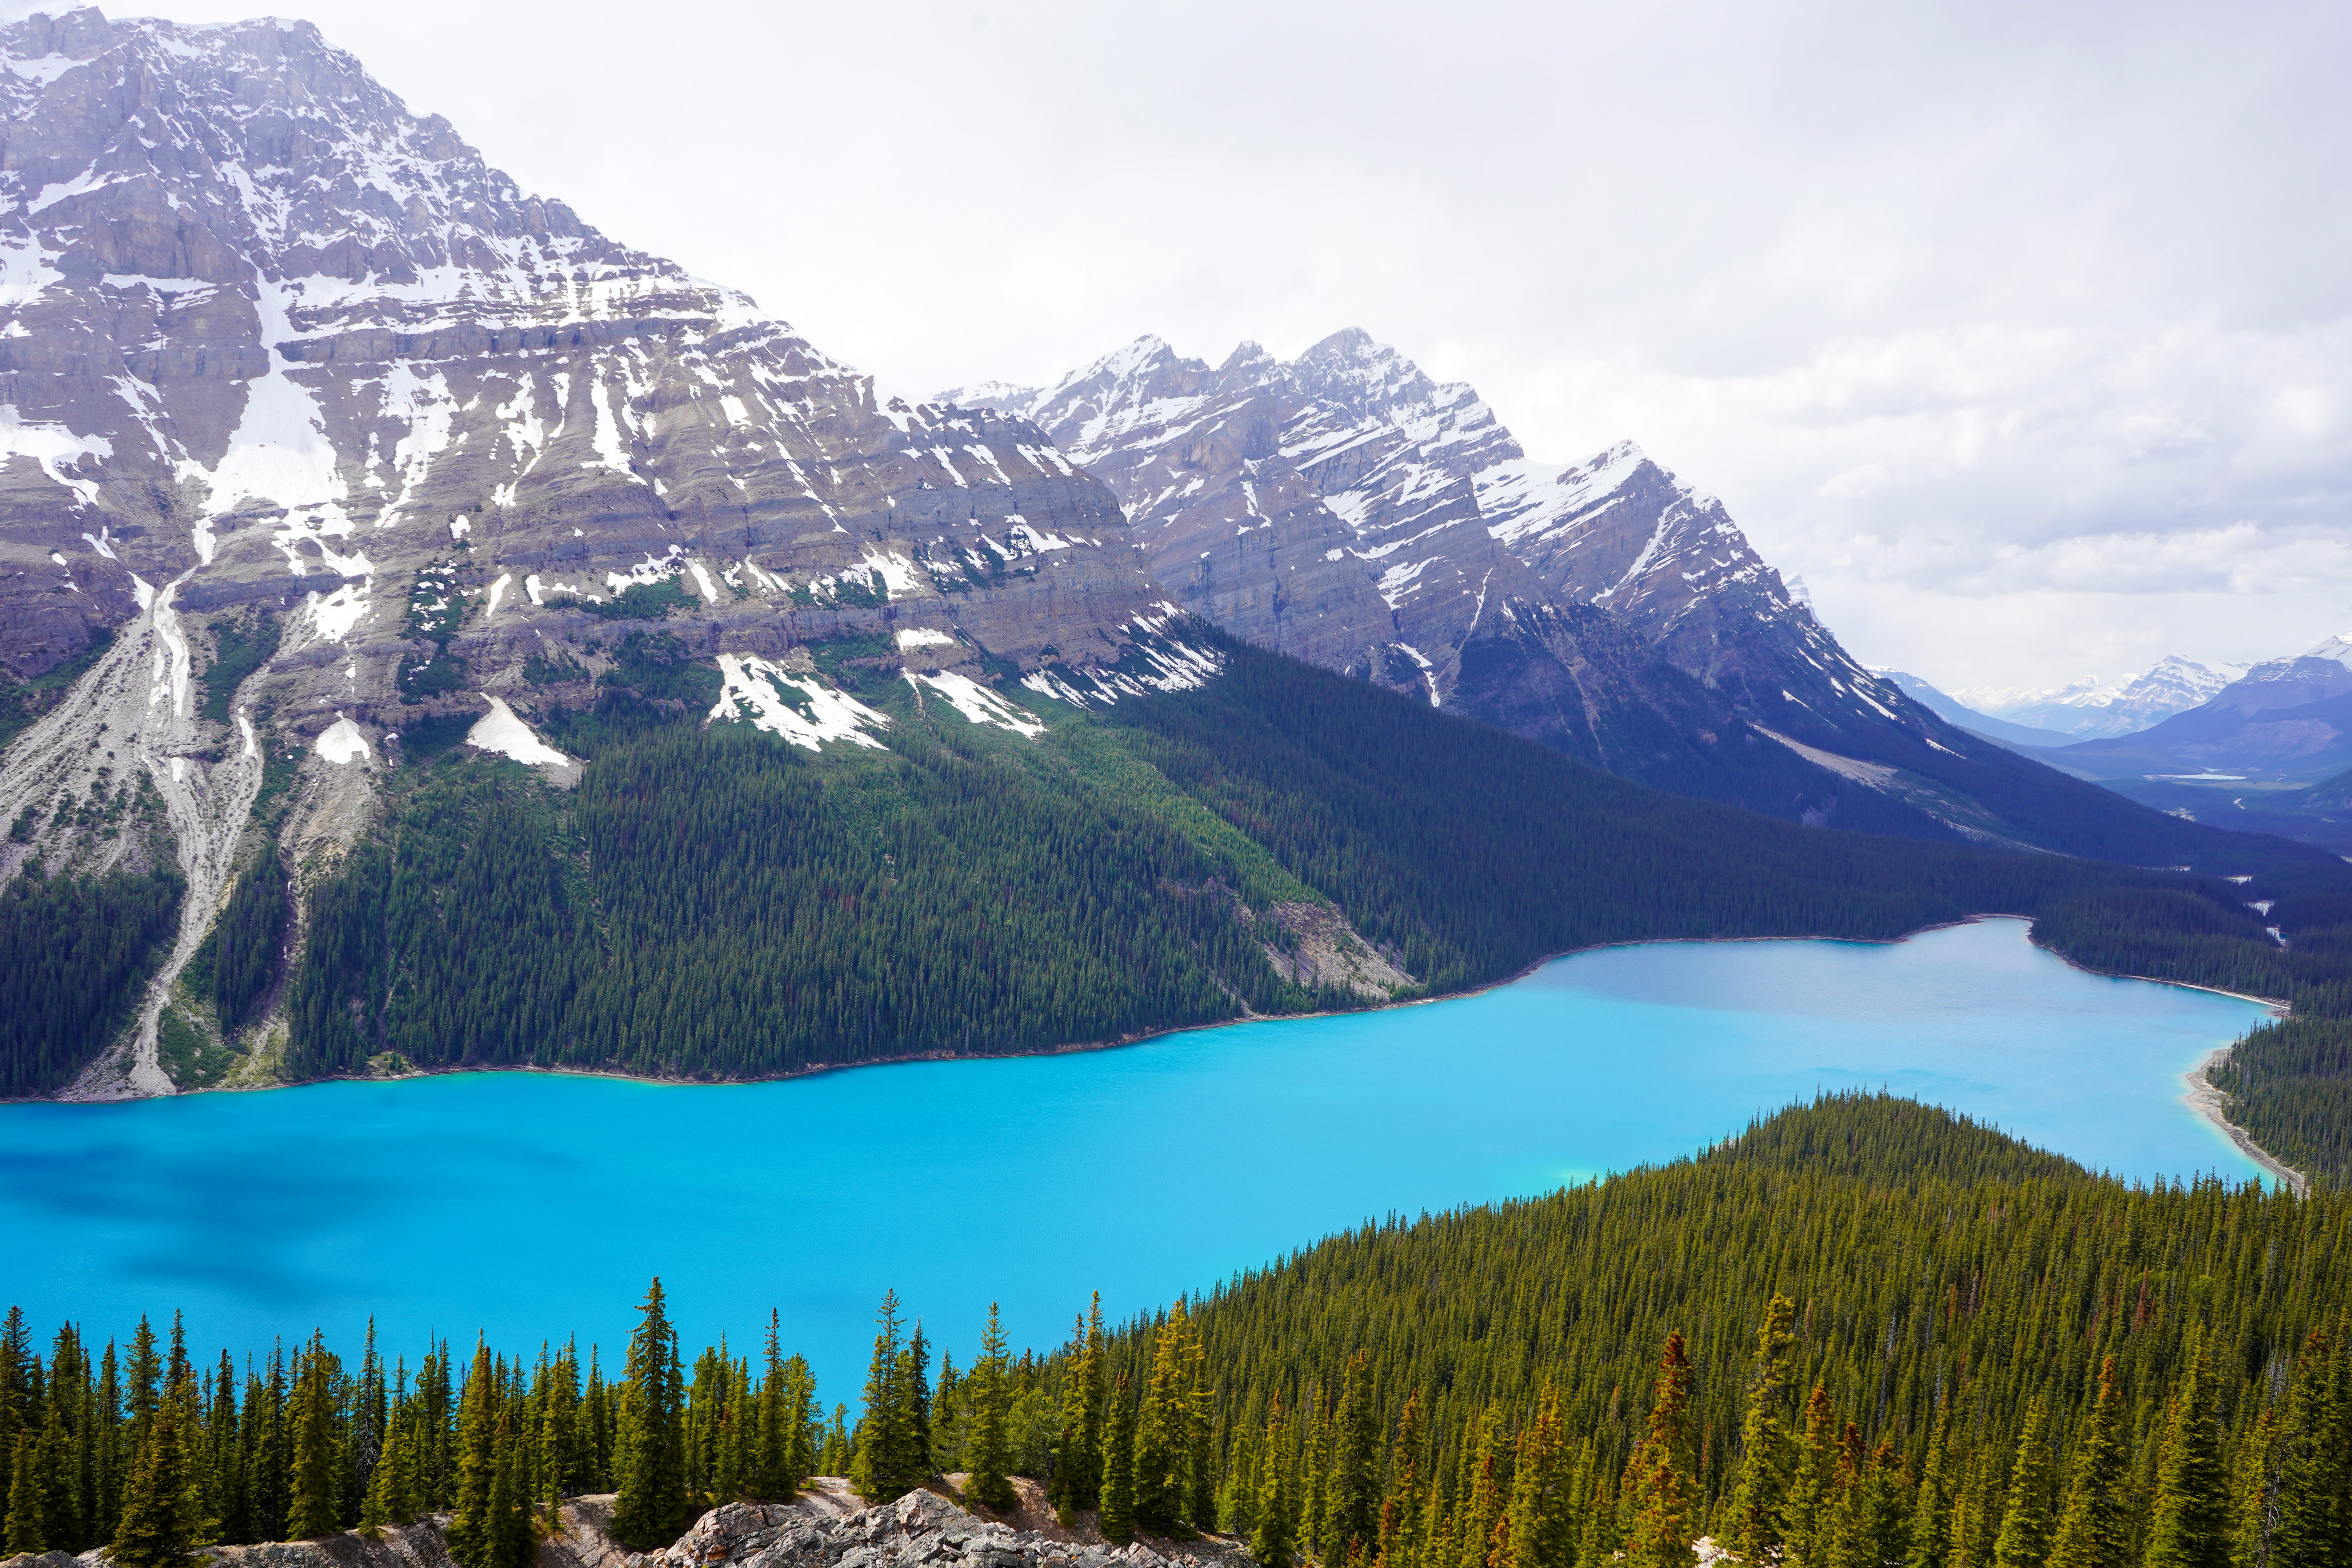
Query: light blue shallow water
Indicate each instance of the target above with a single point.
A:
(530, 1204)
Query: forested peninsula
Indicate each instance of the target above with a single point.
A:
(1864, 1331)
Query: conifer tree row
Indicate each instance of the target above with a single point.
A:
(1863, 1332)
(142, 1452)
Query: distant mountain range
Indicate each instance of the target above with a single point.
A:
(1952, 710)
(2269, 753)
(2091, 708)
(2286, 719)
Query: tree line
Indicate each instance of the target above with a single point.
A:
(140, 1450)
(1864, 1334)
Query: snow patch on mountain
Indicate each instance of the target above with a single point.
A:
(500, 730)
(802, 709)
(977, 702)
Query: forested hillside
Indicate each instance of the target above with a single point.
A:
(2290, 1086)
(713, 903)
(1865, 1332)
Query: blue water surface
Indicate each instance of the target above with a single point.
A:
(528, 1206)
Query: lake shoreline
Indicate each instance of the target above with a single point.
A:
(2207, 1099)
(1071, 1049)
(2201, 1095)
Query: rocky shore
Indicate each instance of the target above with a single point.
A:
(827, 1527)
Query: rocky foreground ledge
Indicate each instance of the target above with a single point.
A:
(827, 1528)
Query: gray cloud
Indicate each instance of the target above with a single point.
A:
(2023, 333)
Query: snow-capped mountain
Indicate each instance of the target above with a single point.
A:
(269, 341)
(2285, 719)
(1346, 507)
(2092, 709)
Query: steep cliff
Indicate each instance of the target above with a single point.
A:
(318, 434)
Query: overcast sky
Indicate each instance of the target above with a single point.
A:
(2022, 332)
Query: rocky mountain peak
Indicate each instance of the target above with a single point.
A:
(284, 364)
(1347, 507)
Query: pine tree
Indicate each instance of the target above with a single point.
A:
(2256, 1499)
(1273, 1542)
(1401, 1512)
(892, 1447)
(1839, 1542)
(1077, 1458)
(1931, 1509)
(1812, 1485)
(109, 1463)
(1485, 1512)
(651, 1509)
(836, 1458)
(19, 1391)
(27, 1513)
(1163, 1425)
(1879, 1532)
(1352, 1500)
(780, 1458)
(1767, 1447)
(2188, 1518)
(1658, 1484)
(479, 1412)
(1601, 1539)
(1117, 1514)
(392, 1489)
(227, 1501)
(2090, 1529)
(314, 1504)
(509, 1543)
(1543, 1513)
(986, 1455)
(915, 1381)
(2026, 1525)
(1200, 1467)
(801, 1418)
(163, 1520)
(597, 1436)
(20, 1420)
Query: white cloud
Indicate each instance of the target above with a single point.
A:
(1938, 298)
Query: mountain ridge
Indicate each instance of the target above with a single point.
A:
(1346, 508)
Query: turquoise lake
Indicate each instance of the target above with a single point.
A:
(531, 1205)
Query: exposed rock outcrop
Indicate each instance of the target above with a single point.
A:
(921, 1530)
(826, 1528)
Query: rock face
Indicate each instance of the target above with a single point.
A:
(921, 1530)
(1346, 508)
(274, 341)
(278, 356)
(825, 1529)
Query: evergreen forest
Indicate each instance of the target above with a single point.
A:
(712, 903)
(1863, 1332)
